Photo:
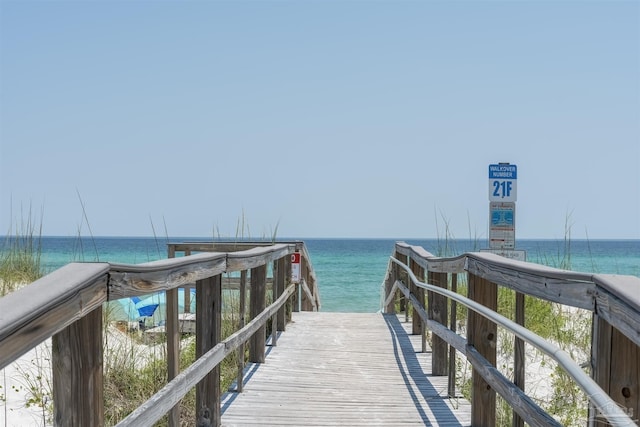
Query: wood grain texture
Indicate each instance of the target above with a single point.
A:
(140, 279)
(255, 257)
(482, 335)
(257, 305)
(438, 312)
(160, 403)
(76, 358)
(344, 369)
(208, 335)
(32, 314)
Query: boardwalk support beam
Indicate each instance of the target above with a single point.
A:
(482, 336)
(77, 373)
(208, 335)
(257, 306)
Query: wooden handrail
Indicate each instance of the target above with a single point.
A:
(614, 300)
(33, 313)
(67, 304)
(161, 402)
(615, 297)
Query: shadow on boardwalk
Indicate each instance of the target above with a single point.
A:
(413, 374)
(344, 369)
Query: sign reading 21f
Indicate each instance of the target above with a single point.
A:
(503, 182)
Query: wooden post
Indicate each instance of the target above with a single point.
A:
(402, 276)
(482, 334)
(77, 373)
(187, 290)
(616, 362)
(256, 306)
(279, 284)
(208, 334)
(519, 355)
(172, 329)
(306, 303)
(388, 285)
(291, 302)
(241, 323)
(417, 325)
(437, 311)
(453, 327)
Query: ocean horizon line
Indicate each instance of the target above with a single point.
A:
(268, 239)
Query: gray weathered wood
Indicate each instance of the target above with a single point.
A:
(241, 323)
(528, 410)
(345, 369)
(453, 326)
(173, 347)
(544, 282)
(280, 283)
(256, 306)
(252, 258)
(519, 354)
(208, 335)
(173, 339)
(616, 368)
(418, 271)
(620, 313)
(140, 279)
(160, 403)
(32, 314)
(308, 298)
(77, 373)
(522, 404)
(438, 312)
(482, 335)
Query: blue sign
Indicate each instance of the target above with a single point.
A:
(502, 182)
(502, 218)
(503, 171)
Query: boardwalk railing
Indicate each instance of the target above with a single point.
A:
(67, 306)
(613, 387)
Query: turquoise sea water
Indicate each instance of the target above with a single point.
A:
(350, 271)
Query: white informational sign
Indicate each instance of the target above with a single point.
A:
(502, 227)
(503, 179)
(295, 267)
(518, 255)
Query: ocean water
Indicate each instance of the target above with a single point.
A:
(350, 271)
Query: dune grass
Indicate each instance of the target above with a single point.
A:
(20, 256)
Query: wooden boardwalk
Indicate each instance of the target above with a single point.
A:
(346, 369)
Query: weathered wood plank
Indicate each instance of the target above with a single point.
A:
(482, 335)
(564, 287)
(133, 280)
(257, 305)
(173, 347)
(519, 354)
(438, 312)
(208, 335)
(252, 258)
(32, 314)
(309, 379)
(280, 283)
(418, 271)
(156, 406)
(77, 373)
(241, 323)
(620, 313)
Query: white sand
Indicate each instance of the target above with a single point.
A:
(16, 380)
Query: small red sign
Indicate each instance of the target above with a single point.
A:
(295, 258)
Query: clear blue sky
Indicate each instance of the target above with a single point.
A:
(325, 119)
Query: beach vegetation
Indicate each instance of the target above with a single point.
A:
(20, 254)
